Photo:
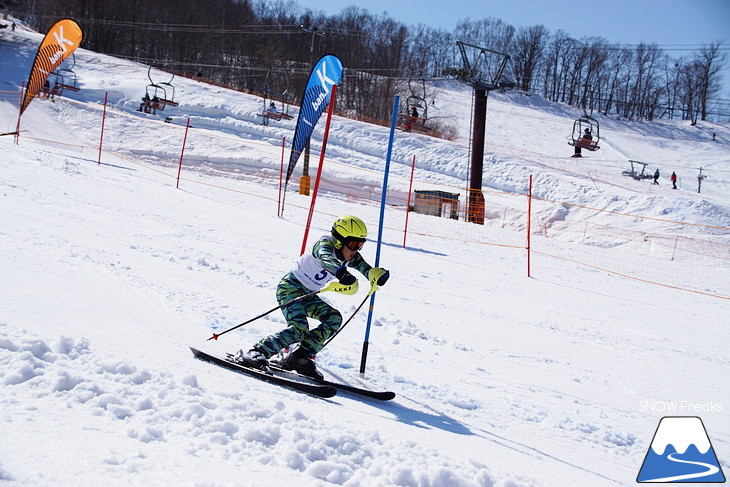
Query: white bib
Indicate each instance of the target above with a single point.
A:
(309, 271)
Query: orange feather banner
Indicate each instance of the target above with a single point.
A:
(62, 39)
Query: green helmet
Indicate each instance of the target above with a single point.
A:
(348, 229)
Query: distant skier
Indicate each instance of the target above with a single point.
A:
(656, 176)
(673, 178)
(329, 259)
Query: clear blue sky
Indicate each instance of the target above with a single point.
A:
(668, 23)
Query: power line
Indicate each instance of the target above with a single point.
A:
(257, 29)
(276, 29)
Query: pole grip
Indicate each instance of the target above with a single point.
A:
(364, 357)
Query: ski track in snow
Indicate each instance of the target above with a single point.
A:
(148, 410)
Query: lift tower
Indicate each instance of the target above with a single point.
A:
(484, 73)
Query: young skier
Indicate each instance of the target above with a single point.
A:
(329, 259)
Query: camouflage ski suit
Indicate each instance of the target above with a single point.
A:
(310, 273)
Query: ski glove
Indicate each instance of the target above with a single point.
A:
(344, 276)
(342, 288)
(378, 276)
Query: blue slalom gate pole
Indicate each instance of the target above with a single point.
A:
(380, 231)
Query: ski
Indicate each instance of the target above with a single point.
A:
(379, 395)
(315, 389)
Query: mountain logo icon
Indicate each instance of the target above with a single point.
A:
(681, 452)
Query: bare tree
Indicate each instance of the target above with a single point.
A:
(574, 76)
(555, 63)
(244, 43)
(527, 53)
(617, 63)
(430, 50)
(490, 33)
(710, 63)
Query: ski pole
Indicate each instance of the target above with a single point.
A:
(216, 335)
(372, 290)
(332, 286)
(346, 322)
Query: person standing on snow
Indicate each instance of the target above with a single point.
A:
(656, 176)
(673, 178)
(329, 259)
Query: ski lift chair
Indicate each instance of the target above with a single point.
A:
(68, 80)
(269, 95)
(171, 100)
(154, 100)
(156, 95)
(275, 113)
(53, 86)
(636, 173)
(64, 83)
(579, 127)
(410, 123)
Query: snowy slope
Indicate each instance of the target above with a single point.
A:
(109, 274)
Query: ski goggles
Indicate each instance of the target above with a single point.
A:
(354, 245)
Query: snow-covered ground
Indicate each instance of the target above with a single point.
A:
(110, 272)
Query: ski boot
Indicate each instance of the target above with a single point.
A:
(300, 361)
(254, 358)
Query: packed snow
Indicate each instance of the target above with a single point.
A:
(110, 272)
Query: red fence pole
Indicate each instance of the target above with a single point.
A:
(103, 120)
(20, 106)
(319, 169)
(408, 204)
(185, 139)
(529, 220)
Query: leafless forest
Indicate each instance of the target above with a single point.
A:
(253, 45)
